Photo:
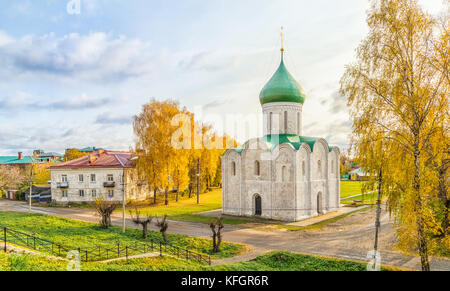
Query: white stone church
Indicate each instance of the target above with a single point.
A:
(283, 175)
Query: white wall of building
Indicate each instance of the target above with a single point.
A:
(308, 185)
(121, 177)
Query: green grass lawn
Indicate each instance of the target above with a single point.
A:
(369, 199)
(208, 201)
(79, 234)
(350, 188)
(276, 261)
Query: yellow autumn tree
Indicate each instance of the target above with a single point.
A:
(72, 154)
(395, 88)
(154, 149)
(172, 147)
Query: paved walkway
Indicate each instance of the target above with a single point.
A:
(330, 215)
(352, 242)
(360, 194)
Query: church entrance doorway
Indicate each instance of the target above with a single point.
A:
(258, 205)
(319, 203)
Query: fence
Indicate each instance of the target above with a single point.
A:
(99, 253)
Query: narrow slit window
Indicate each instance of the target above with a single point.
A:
(285, 122)
(257, 168)
(270, 122)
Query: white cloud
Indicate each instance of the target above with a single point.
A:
(4, 38)
(23, 100)
(94, 56)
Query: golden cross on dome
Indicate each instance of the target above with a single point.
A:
(282, 39)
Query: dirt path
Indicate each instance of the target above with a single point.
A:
(348, 238)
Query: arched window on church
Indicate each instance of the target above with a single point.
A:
(285, 122)
(319, 168)
(298, 123)
(257, 168)
(332, 167)
(270, 122)
(233, 168)
(283, 174)
(303, 168)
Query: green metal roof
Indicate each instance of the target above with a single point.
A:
(282, 87)
(9, 160)
(296, 141)
(89, 149)
(43, 155)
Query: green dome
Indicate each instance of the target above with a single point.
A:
(282, 87)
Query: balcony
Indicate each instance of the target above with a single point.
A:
(62, 185)
(109, 184)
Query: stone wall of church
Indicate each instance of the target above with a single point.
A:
(292, 185)
(231, 184)
(283, 200)
(256, 179)
(303, 183)
(334, 179)
(286, 118)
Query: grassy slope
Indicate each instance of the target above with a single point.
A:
(276, 261)
(76, 234)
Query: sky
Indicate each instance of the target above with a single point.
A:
(74, 73)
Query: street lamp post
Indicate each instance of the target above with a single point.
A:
(31, 186)
(198, 181)
(123, 203)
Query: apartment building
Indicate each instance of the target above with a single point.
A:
(107, 174)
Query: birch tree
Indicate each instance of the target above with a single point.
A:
(396, 87)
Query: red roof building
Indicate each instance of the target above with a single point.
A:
(99, 159)
(108, 174)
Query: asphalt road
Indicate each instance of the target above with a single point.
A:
(350, 238)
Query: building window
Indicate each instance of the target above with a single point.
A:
(93, 178)
(110, 193)
(285, 122)
(81, 193)
(270, 122)
(94, 193)
(233, 168)
(80, 178)
(332, 167)
(64, 193)
(110, 178)
(257, 168)
(298, 123)
(319, 167)
(303, 168)
(64, 178)
(283, 174)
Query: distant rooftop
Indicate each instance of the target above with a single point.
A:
(51, 154)
(11, 160)
(99, 159)
(89, 149)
